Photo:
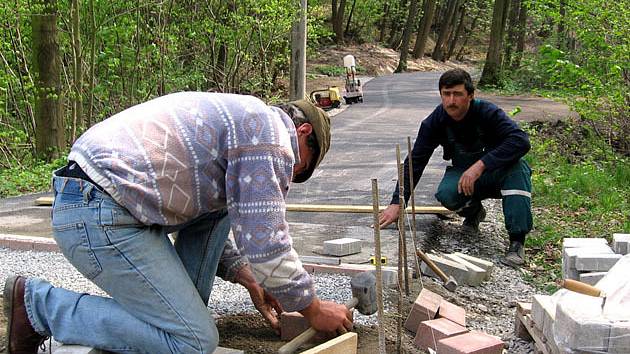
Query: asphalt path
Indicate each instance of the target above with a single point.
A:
(364, 139)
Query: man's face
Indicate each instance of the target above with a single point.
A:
(456, 101)
(306, 153)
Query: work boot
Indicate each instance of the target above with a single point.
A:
(471, 223)
(515, 255)
(21, 336)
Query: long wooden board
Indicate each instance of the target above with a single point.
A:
(322, 208)
(331, 208)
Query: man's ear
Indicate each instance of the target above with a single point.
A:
(305, 129)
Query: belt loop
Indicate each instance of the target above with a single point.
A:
(63, 185)
(86, 192)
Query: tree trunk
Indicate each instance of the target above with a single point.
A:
(512, 30)
(438, 51)
(492, 66)
(77, 99)
(337, 20)
(404, 49)
(354, 3)
(473, 26)
(297, 79)
(394, 38)
(49, 131)
(562, 36)
(520, 37)
(458, 31)
(425, 28)
(90, 115)
(381, 36)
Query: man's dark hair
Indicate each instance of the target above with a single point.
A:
(455, 77)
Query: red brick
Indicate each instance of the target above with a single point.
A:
(473, 342)
(292, 324)
(424, 308)
(452, 312)
(430, 332)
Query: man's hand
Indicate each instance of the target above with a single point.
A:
(264, 302)
(467, 181)
(328, 317)
(389, 215)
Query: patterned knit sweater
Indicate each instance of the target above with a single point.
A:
(176, 157)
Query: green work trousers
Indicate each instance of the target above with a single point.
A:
(511, 183)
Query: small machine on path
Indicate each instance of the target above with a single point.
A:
(353, 92)
(327, 99)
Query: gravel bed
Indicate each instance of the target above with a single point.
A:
(226, 297)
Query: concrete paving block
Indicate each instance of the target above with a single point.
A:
(76, 349)
(292, 324)
(452, 312)
(430, 332)
(582, 242)
(569, 255)
(619, 341)
(458, 271)
(423, 309)
(342, 246)
(579, 324)
(222, 350)
(389, 276)
(540, 303)
(597, 262)
(482, 263)
(592, 278)
(475, 274)
(473, 342)
(621, 243)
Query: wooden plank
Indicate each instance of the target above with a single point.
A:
(44, 201)
(328, 208)
(536, 333)
(320, 260)
(524, 308)
(344, 344)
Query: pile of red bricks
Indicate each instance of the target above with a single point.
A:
(441, 326)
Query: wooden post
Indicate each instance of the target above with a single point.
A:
(297, 80)
(413, 210)
(402, 249)
(379, 276)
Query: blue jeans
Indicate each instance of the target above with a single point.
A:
(159, 292)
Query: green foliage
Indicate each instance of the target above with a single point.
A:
(580, 190)
(33, 176)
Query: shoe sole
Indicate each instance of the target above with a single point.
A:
(8, 295)
(509, 263)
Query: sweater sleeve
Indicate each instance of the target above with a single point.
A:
(513, 142)
(423, 148)
(257, 183)
(230, 263)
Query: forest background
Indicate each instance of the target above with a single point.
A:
(70, 64)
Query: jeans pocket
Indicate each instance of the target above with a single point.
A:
(75, 244)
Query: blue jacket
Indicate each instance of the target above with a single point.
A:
(485, 130)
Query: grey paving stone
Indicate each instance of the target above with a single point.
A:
(578, 324)
(342, 246)
(592, 278)
(621, 243)
(476, 275)
(597, 262)
(582, 242)
(450, 268)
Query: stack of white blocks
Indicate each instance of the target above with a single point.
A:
(342, 246)
(588, 259)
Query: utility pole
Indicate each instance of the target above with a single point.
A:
(297, 85)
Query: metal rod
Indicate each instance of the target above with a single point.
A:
(413, 209)
(379, 276)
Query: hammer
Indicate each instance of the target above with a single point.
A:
(363, 299)
(449, 282)
(583, 288)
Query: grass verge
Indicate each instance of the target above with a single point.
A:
(580, 189)
(28, 178)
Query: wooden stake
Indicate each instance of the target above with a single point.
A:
(379, 276)
(413, 210)
(402, 248)
(401, 251)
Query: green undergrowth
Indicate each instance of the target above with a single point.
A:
(29, 177)
(580, 189)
